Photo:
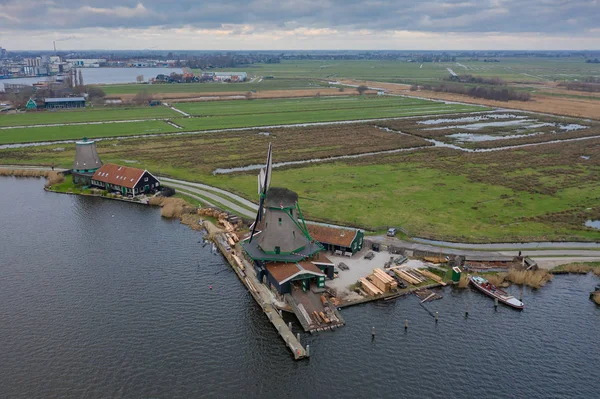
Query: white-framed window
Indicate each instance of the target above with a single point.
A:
(145, 179)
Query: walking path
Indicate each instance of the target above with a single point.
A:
(177, 110)
(568, 251)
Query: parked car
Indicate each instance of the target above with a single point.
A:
(370, 255)
(392, 232)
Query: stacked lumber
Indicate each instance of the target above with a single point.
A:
(238, 261)
(369, 288)
(431, 275)
(390, 282)
(435, 259)
(406, 277)
(377, 282)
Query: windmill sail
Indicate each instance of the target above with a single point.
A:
(264, 180)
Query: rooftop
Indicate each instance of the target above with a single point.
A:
(256, 253)
(331, 235)
(124, 176)
(283, 272)
(278, 197)
(63, 99)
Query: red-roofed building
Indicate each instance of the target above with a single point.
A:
(337, 239)
(124, 179)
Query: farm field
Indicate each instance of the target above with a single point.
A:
(542, 192)
(248, 113)
(72, 132)
(86, 115)
(510, 69)
(265, 84)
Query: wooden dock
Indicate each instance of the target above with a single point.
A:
(259, 292)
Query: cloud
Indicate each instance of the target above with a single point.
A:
(277, 19)
(415, 15)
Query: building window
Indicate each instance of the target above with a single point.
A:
(277, 250)
(145, 179)
(280, 221)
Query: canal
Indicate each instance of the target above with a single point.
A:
(105, 299)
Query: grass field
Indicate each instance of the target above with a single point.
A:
(245, 113)
(265, 84)
(544, 192)
(509, 69)
(51, 133)
(86, 115)
(306, 74)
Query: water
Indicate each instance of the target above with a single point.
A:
(474, 138)
(102, 75)
(98, 306)
(593, 223)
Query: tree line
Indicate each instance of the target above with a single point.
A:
(489, 93)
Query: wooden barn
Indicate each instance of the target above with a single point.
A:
(124, 179)
(339, 240)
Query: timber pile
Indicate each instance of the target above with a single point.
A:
(230, 221)
(431, 275)
(408, 277)
(369, 288)
(383, 281)
(238, 261)
(435, 259)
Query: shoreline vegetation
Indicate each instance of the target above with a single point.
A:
(530, 278)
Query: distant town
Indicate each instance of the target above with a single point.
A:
(19, 64)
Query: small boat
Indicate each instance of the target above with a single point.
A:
(491, 290)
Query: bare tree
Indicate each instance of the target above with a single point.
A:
(80, 78)
(142, 97)
(140, 79)
(361, 89)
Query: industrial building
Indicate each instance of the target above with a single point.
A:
(125, 180)
(65, 102)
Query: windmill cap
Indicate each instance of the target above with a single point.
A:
(281, 198)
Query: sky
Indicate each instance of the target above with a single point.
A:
(300, 24)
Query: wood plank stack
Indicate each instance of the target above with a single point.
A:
(369, 288)
(390, 282)
(431, 275)
(407, 277)
(238, 261)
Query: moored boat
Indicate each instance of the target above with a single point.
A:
(491, 290)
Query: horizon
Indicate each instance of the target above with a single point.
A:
(408, 25)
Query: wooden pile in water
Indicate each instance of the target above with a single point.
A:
(427, 295)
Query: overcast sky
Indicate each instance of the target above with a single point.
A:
(300, 24)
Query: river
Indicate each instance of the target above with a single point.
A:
(102, 75)
(105, 299)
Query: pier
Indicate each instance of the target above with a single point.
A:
(259, 291)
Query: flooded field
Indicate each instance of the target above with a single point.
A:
(496, 129)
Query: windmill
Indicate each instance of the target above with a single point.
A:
(264, 181)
